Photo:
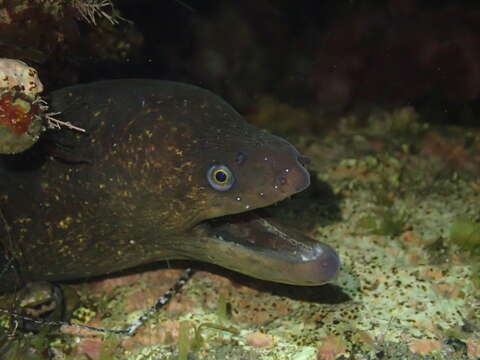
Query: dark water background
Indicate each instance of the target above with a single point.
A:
(331, 56)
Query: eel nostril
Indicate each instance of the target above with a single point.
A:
(240, 158)
(281, 180)
(303, 160)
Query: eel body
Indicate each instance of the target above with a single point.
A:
(160, 167)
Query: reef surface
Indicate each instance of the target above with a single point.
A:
(400, 202)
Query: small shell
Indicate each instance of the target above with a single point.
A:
(17, 73)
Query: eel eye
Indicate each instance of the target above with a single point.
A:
(220, 177)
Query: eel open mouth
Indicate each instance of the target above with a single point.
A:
(252, 245)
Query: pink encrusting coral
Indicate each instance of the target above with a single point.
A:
(17, 112)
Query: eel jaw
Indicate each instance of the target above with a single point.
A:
(257, 247)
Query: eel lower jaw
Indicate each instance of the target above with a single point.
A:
(255, 246)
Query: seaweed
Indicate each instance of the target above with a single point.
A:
(191, 340)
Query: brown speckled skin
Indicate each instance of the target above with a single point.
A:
(132, 190)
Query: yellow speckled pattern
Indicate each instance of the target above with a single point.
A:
(133, 188)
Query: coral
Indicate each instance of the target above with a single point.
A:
(33, 30)
(21, 112)
(51, 34)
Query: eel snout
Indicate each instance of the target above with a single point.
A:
(266, 176)
(253, 245)
(294, 178)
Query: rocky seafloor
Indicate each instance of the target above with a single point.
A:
(398, 199)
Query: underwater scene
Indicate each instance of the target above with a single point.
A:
(239, 180)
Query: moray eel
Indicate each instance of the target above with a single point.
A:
(160, 167)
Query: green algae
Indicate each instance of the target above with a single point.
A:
(404, 121)
(466, 233)
(476, 273)
(224, 310)
(109, 347)
(185, 339)
(385, 221)
(14, 345)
